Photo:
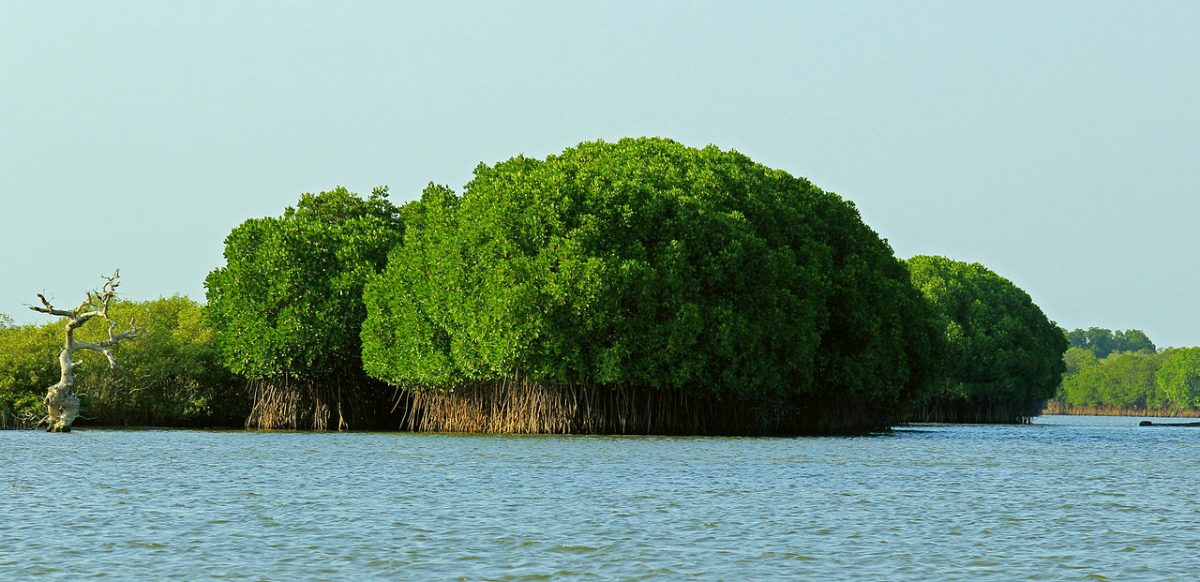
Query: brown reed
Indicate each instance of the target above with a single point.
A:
(1060, 407)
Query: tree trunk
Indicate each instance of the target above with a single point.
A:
(62, 406)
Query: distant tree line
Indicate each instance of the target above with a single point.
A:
(632, 287)
(1102, 342)
(1121, 371)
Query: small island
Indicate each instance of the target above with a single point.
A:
(635, 287)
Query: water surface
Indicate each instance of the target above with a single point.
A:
(1064, 498)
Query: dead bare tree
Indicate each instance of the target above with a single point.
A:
(62, 406)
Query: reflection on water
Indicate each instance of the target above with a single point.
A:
(1064, 498)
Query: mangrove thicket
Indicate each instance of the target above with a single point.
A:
(287, 309)
(644, 286)
(1129, 378)
(1002, 360)
(640, 286)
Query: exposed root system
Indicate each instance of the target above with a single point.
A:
(517, 406)
(290, 404)
(978, 412)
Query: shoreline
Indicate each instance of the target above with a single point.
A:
(1060, 409)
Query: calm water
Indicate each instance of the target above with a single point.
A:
(1066, 498)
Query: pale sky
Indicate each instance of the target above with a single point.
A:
(1058, 143)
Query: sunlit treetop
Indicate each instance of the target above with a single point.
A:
(646, 263)
(289, 299)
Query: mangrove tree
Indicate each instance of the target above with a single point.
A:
(1003, 358)
(644, 286)
(287, 309)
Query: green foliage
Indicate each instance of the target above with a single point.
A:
(1122, 380)
(288, 303)
(28, 364)
(1103, 342)
(1000, 347)
(1178, 377)
(1135, 380)
(646, 263)
(169, 375)
(1076, 359)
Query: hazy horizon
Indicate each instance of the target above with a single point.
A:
(1054, 143)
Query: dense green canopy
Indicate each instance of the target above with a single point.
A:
(28, 364)
(1122, 380)
(1178, 377)
(1076, 359)
(288, 302)
(287, 309)
(1003, 357)
(1132, 380)
(646, 263)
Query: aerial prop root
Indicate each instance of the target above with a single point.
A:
(518, 405)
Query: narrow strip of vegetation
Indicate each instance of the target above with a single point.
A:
(170, 376)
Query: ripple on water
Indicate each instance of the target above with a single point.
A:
(1069, 498)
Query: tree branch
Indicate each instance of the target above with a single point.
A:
(62, 405)
(47, 308)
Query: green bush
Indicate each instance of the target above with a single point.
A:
(287, 307)
(1122, 380)
(28, 364)
(648, 264)
(1177, 379)
(1134, 380)
(1003, 358)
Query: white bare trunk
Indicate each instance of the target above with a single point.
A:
(62, 406)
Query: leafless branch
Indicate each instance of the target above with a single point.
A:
(62, 405)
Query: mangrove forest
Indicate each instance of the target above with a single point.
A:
(1122, 372)
(640, 287)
